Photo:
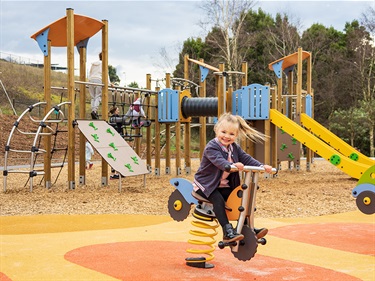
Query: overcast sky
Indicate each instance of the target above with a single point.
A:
(138, 30)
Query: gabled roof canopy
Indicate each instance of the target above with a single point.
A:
(84, 28)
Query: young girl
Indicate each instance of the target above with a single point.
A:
(135, 113)
(115, 112)
(212, 182)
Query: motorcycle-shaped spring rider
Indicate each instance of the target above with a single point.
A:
(240, 206)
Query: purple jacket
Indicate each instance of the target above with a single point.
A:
(214, 160)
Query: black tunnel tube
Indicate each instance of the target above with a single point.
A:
(113, 120)
(199, 107)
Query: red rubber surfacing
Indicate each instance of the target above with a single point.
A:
(159, 260)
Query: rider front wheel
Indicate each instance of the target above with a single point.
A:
(247, 246)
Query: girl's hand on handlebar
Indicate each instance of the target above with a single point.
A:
(239, 166)
(267, 168)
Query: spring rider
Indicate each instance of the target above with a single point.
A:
(240, 207)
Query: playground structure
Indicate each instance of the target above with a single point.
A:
(70, 31)
(287, 117)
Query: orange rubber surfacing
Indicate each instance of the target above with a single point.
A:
(353, 237)
(159, 260)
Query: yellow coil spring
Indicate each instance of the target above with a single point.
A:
(210, 240)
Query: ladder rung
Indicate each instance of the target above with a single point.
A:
(57, 165)
(17, 171)
(20, 151)
(60, 148)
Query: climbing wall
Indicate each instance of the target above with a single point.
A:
(112, 147)
(288, 148)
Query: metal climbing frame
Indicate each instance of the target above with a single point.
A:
(35, 150)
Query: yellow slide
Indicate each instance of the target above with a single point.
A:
(345, 164)
(334, 141)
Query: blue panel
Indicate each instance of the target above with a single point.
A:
(252, 102)
(42, 40)
(277, 68)
(265, 103)
(204, 72)
(362, 187)
(185, 187)
(289, 69)
(82, 44)
(309, 105)
(168, 105)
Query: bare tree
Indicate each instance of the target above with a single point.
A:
(164, 61)
(226, 18)
(283, 36)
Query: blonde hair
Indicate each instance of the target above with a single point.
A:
(244, 130)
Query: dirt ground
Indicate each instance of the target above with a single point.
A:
(323, 190)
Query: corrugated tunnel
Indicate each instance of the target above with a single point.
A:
(199, 107)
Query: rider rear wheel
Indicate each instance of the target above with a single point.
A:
(178, 207)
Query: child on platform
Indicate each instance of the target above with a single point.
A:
(212, 182)
(135, 113)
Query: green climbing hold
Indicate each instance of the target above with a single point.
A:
(110, 132)
(91, 124)
(96, 137)
(113, 146)
(111, 156)
(354, 156)
(135, 160)
(291, 156)
(129, 167)
(335, 159)
(294, 141)
(283, 146)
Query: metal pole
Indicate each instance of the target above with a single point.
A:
(8, 97)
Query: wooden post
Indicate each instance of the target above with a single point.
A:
(309, 152)
(202, 120)
(187, 145)
(267, 142)
(138, 131)
(245, 143)
(105, 91)
(279, 92)
(187, 135)
(82, 114)
(71, 115)
(47, 98)
(167, 134)
(178, 144)
(157, 141)
(274, 162)
(220, 92)
(299, 85)
(148, 132)
(244, 67)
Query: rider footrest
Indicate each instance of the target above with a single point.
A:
(204, 212)
(199, 262)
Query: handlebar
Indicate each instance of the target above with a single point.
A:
(232, 168)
